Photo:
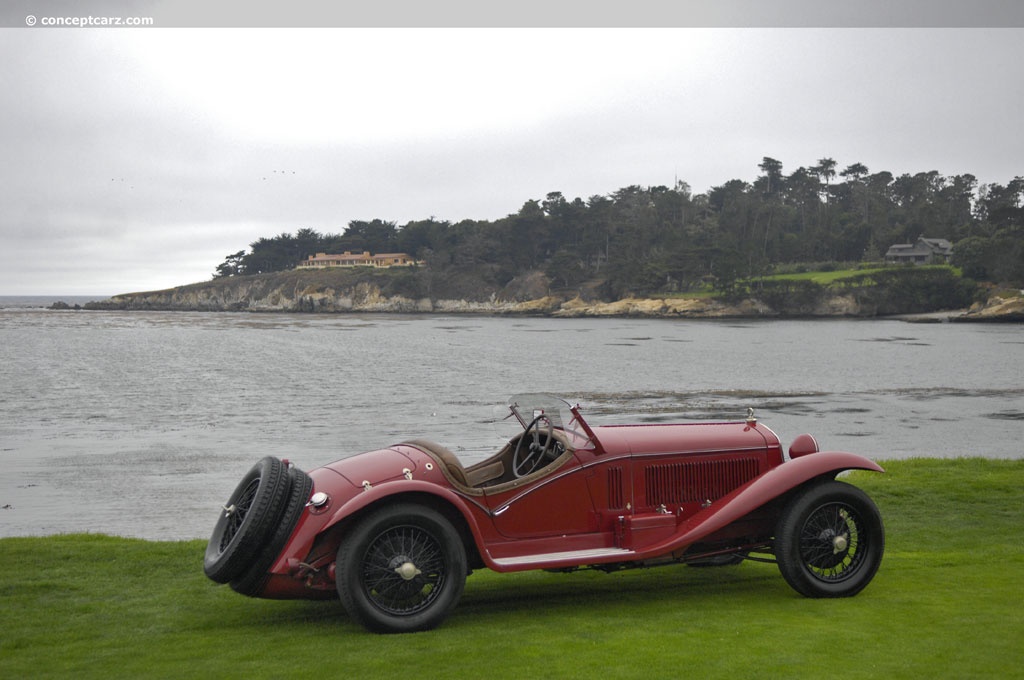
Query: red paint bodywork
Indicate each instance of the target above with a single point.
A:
(620, 495)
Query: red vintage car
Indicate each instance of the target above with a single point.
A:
(395, 532)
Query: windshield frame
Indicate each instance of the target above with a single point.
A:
(564, 416)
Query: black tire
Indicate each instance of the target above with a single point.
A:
(252, 580)
(247, 521)
(406, 536)
(829, 540)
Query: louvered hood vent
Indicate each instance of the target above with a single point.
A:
(697, 481)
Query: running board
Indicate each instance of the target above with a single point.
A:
(569, 557)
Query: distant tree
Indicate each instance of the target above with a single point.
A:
(375, 236)
(526, 235)
(307, 242)
(772, 170)
(880, 208)
(825, 169)
(1001, 205)
(421, 236)
(231, 266)
(998, 258)
(273, 255)
(956, 203)
(735, 208)
(973, 255)
(854, 172)
(802, 194)
(771, 184)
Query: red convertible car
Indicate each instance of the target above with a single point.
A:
(395, 532)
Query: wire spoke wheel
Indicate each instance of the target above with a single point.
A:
(237, 512)
(401, 569)
(831, 544)
(829, 540)
(404, 570)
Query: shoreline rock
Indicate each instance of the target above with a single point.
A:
(995, 309)
(324, 302)
(297, 294)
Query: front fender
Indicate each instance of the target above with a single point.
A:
(760, 490)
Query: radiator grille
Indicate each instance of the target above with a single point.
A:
(696, 481)
(615, 500)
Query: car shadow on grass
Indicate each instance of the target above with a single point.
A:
(491, 598)
(531, 591)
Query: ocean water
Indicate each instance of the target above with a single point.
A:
(141, 423)
(30, 302)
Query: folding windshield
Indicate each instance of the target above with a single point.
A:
(527, 407)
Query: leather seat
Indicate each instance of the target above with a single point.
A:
(448, 460)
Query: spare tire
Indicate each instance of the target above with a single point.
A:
(253, 578)
(247, 520)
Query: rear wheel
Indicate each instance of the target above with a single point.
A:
(829, 541)
(247, 520)
(401, 569)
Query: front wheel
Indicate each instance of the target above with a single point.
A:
(829, 541)
(401, 569)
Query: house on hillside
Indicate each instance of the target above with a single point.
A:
(364, 259)
(925, 251)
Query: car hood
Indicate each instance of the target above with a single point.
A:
(686, 438)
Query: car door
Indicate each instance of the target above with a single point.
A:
(558, 503)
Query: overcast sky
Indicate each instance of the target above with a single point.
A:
(137, 159)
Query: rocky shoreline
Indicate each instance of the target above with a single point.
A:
(275, 294)
(996, 308)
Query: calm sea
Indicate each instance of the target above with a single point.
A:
(140, 424)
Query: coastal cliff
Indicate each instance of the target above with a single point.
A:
(996, 308)
(339, 291)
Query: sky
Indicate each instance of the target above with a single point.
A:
(136, 159)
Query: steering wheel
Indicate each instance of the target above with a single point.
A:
(536, 451)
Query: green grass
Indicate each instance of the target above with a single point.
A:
(823, 278)
(826, 278)
(945, 604)
(704, 293)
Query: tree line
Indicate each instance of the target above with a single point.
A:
(642, 240)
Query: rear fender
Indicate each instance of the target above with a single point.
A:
(755, 493)
(383, 492)
(313, 527)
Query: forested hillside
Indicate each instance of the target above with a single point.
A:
(644, 240)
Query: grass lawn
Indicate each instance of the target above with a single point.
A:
(830, 277)
(946, 603)
(823, 278)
